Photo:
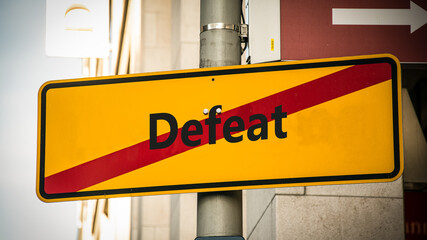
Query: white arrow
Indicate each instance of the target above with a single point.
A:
(415, 16)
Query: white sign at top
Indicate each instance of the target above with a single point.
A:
(77, 28)
(415, 16)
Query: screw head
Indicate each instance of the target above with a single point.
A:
(218, 110)
(205, 111)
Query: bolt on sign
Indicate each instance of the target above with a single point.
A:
(313, 122)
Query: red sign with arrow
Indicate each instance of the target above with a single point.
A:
(333, 28)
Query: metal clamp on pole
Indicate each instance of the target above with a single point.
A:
(213, 26)
(241, 29)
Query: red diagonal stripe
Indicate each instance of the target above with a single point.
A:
(292, 100)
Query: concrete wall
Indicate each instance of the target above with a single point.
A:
(156, 34)
(155, 220)
(185, 34)
(183, 216)
(357, 211)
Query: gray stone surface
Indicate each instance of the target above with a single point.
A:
(265, 228)
(321, 217)
(257, 201)
(183, 219)
(389, 189)
(291, 190)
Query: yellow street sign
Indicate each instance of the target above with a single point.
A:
(327, 121)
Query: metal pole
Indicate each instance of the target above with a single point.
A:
(219, 214)
(219, 37)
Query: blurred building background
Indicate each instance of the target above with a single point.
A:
(162, 35)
